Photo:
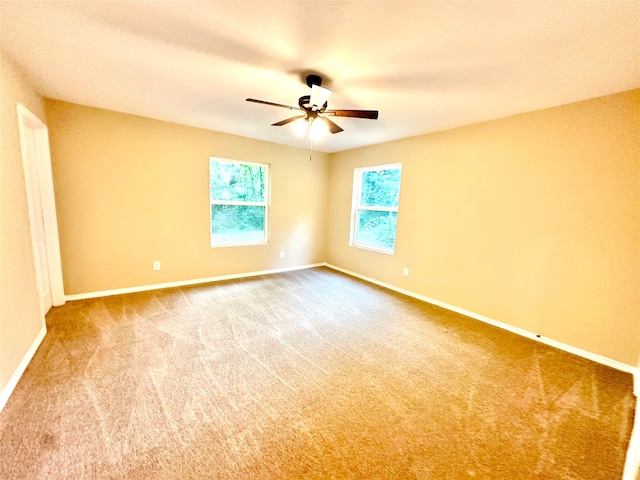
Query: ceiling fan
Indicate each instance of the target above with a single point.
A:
(314, 107)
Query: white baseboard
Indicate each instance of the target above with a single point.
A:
(22, 366)
(525, 333)
(632, 464)
(183, 283)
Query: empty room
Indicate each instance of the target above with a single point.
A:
(320, 239)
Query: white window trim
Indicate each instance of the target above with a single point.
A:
(355, 201)
(266, 204)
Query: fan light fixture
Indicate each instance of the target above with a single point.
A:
(311, 126)
(319, 96)
(313, 107)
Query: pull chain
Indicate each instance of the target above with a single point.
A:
(308, 141)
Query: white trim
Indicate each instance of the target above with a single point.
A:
(266, 203)
(356, 207)
(520, 331)
(22, 366)
(183, 283)
(26, 119)
(373, 249)
(378, 209)
(632, 463)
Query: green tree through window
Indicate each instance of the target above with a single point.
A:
(375, 212)
(238, 196)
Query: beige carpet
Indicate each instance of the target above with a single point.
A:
(309, 374)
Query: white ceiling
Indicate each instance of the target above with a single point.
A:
(425, 65)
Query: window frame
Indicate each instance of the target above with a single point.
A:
(266, 203)
(356, 207)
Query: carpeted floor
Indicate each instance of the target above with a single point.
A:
(304, 375)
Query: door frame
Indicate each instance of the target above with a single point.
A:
(27, 120)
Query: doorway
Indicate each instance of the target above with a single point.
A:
(34, 140)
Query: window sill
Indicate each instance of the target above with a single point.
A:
(373, 249)
(252, 244)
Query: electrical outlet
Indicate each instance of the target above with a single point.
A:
(405, 271)
(281, 253)
(156, 265)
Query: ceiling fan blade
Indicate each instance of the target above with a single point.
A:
(272, 104)
(333, 128)
(288, 120)
(372, 114)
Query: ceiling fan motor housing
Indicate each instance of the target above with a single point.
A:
(305, 103)
(314, 80)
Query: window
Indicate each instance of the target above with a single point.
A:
(375, 207)
(239, 195)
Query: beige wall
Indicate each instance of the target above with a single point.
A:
(131, 190)
(20, 320)
(532, 220)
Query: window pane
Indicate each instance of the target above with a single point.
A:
(237, 224)
(376, 229)
(380, 188)
(231, 181)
